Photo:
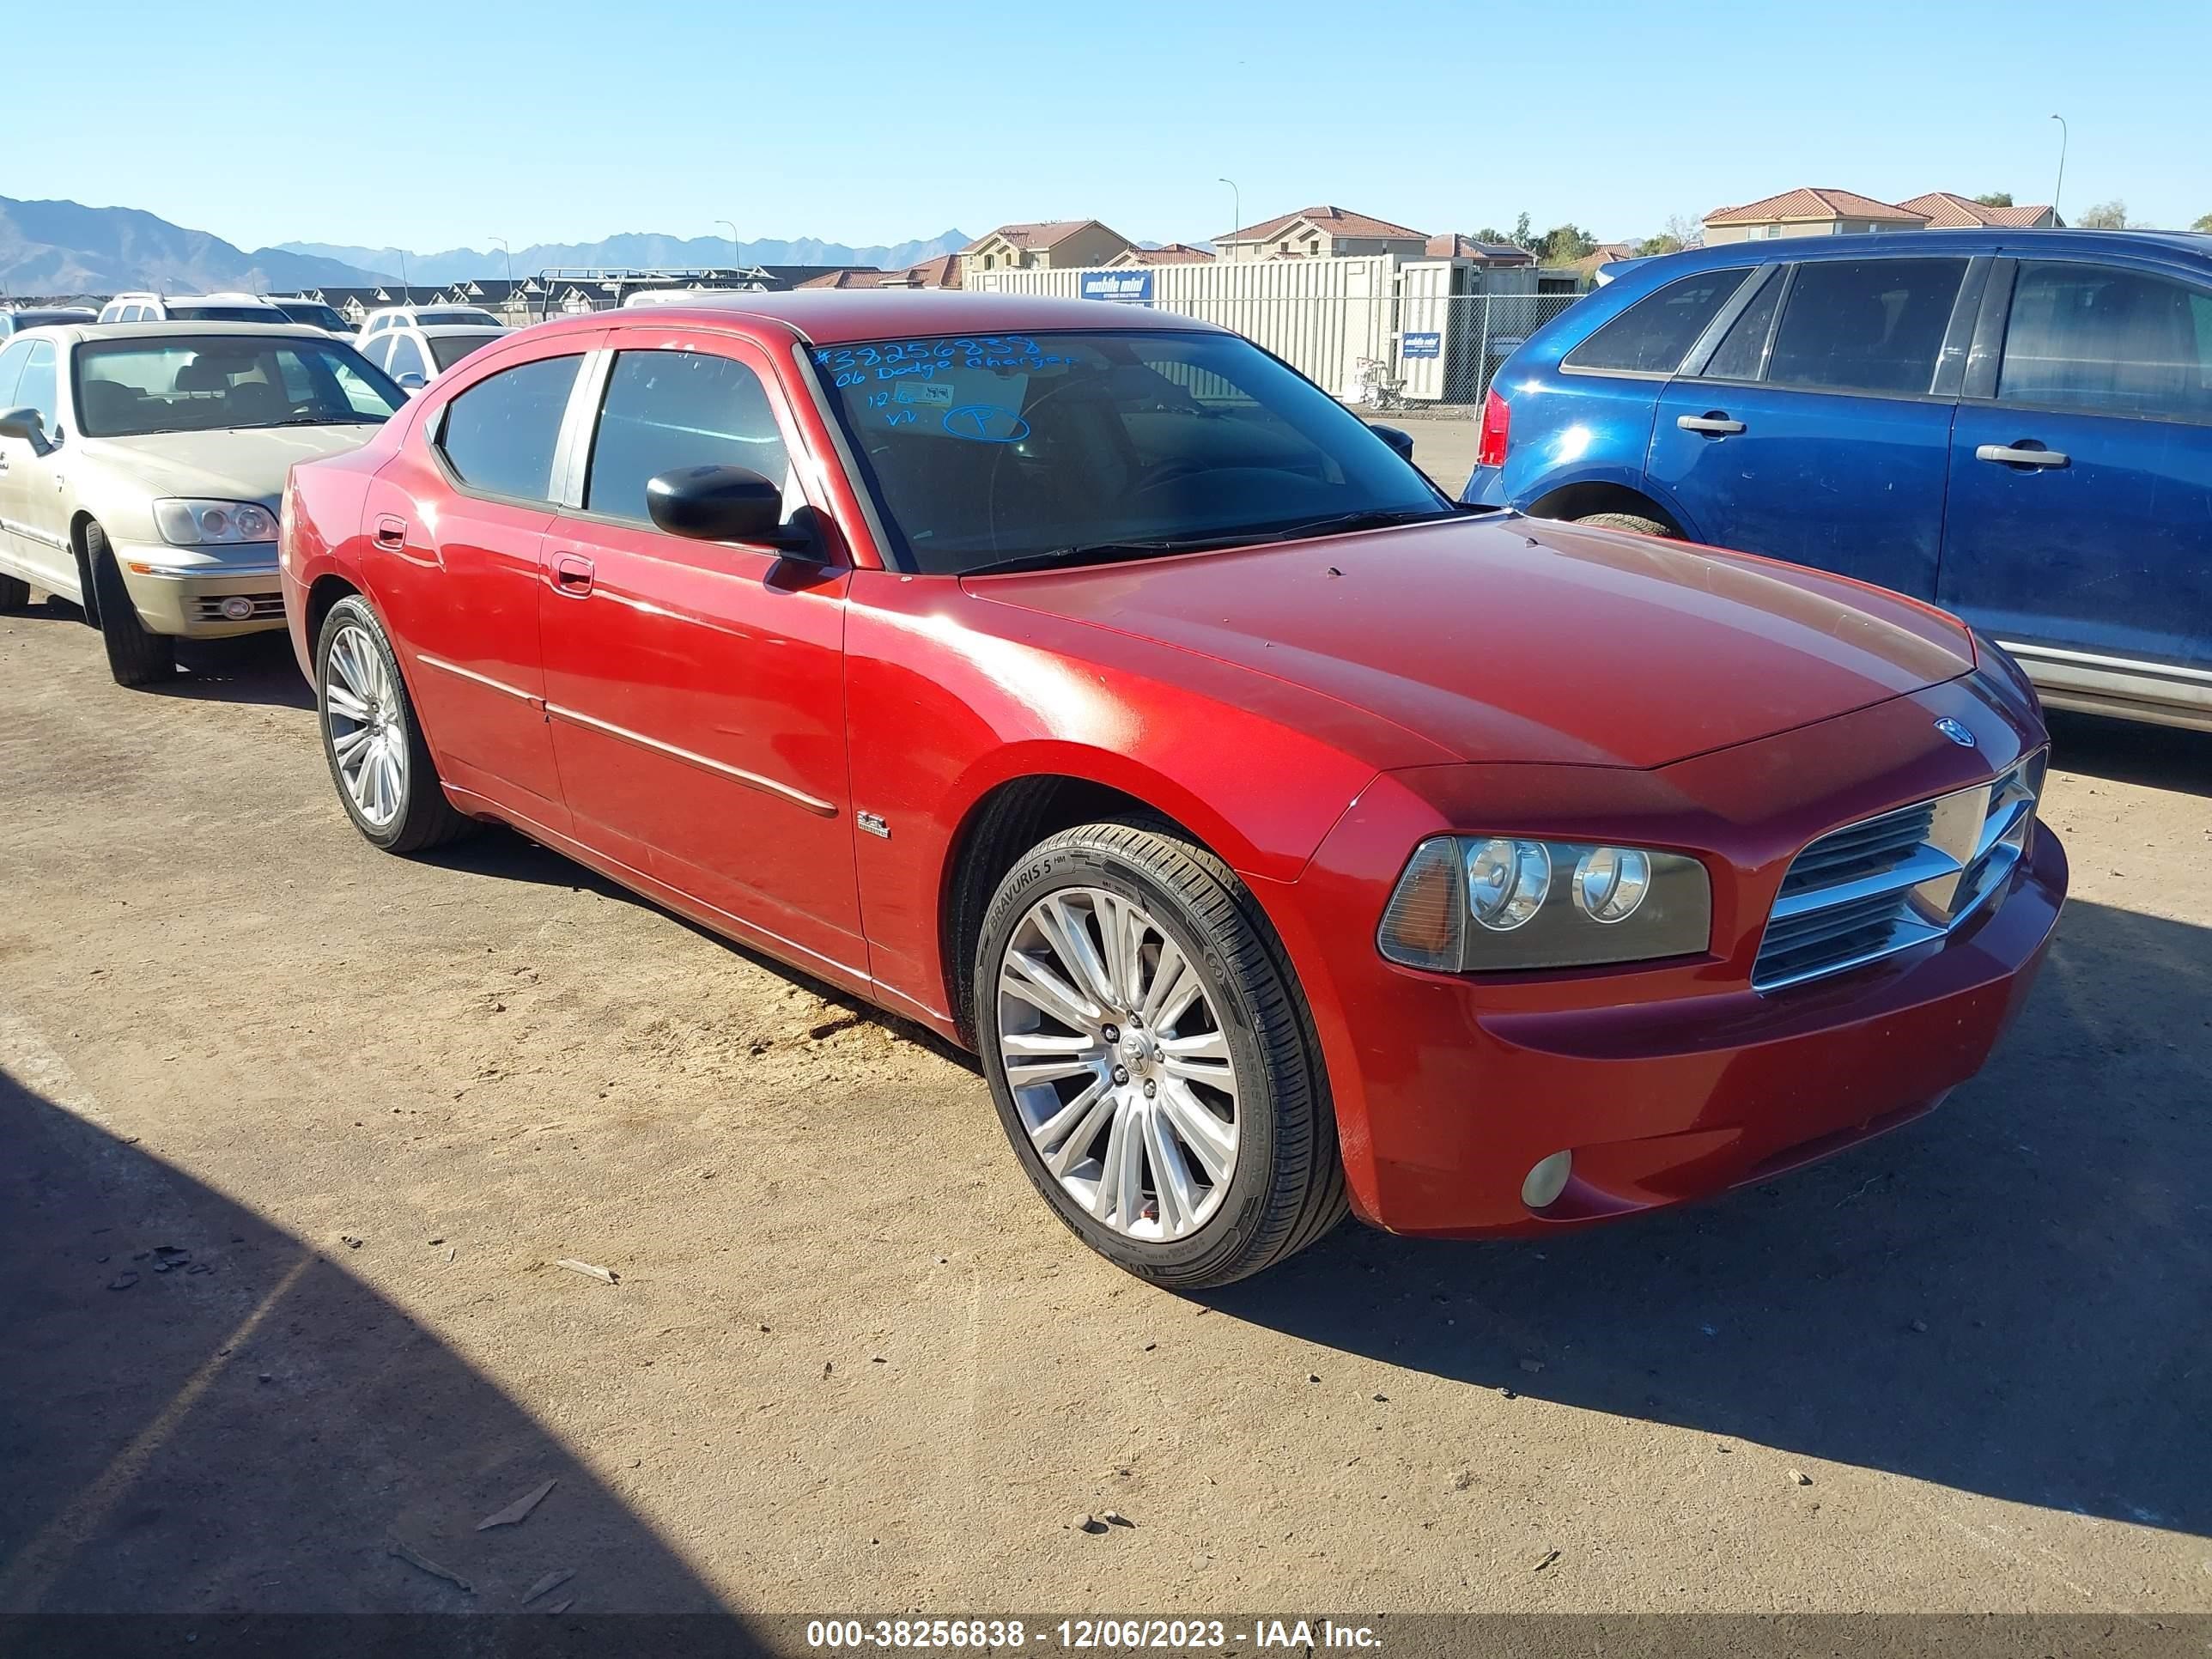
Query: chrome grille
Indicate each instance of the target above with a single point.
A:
(266, 606)
(1885, 884)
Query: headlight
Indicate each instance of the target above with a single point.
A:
(1468, 904)
(193, 524)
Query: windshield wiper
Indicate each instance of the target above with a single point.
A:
(1336, 524)
(1377, 518)
(1108, 553)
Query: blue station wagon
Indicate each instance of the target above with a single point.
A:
(2016, 425)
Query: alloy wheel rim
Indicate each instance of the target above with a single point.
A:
(361, 711)
(1119, 1064)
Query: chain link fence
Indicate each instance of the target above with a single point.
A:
(1387, 340)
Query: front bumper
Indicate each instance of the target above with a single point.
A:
(181, 591)
(1671, 1081)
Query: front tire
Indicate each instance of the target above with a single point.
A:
(1150, 1057)
(386, 778)
(15, 593)
(135, 656)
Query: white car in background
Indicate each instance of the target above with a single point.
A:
(414, 357)
(192, 308)
(388, 317)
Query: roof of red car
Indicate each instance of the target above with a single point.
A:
(828, 317)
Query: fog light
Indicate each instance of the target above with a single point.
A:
(1548, 1180)
(238, 607)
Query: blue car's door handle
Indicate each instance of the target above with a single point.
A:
(2008, 455)
(1713, 425)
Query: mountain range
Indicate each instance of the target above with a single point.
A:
(66, 248)
(633, 250)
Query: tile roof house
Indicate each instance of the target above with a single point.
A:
(1604, 253)
(942, 271)
(1946, 211)
(1320, 233)
(1175, 253)
(855, 276)
(1807, 212)
(1452, 246)
(1063, 245)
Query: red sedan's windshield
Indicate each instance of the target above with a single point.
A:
(987, 449)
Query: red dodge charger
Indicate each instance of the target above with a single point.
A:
(1085, 684)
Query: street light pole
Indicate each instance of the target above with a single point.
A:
(1235, 203)
(2060, 190)
(507, 307)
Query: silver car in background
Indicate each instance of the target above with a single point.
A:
(142, 467)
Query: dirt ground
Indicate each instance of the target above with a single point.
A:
(851, 1362)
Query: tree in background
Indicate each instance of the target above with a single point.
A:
(2106, 216)
(2205, 223)
(1995, 199)
(1516, 237)
(1565, 244)
(1679, 232)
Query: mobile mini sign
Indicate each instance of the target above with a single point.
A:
(1131, 286)
(1421, 345)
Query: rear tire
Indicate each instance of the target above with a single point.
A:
(1227, 1159)
(135, 656)
(1635, 521)
(387, 781)
(15, 593)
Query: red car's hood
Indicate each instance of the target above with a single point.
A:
(1518, 640)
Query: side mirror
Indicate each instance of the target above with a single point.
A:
(1397, 436)
(410, 382)
(25, 424)
(723, 504)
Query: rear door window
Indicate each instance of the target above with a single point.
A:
(1873, 325)
(2106, 340)
(1741, 354)
(1654, 335)
(666, 409)
(499, 435)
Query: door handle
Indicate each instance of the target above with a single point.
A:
(572, 575)
(1712, 423)
(390, 533)
(2014, 455)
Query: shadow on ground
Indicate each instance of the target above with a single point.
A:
(507, 854)
(2130, 751)
(254, 668)
(248, 1430)
(2010, 1297)
(257, 668)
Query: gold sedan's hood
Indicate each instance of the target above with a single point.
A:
(241, 463)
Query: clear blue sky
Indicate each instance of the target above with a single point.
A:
(565, 120)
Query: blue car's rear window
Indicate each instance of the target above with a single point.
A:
(1654, 335)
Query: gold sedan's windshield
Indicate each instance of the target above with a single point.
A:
(207, 383)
